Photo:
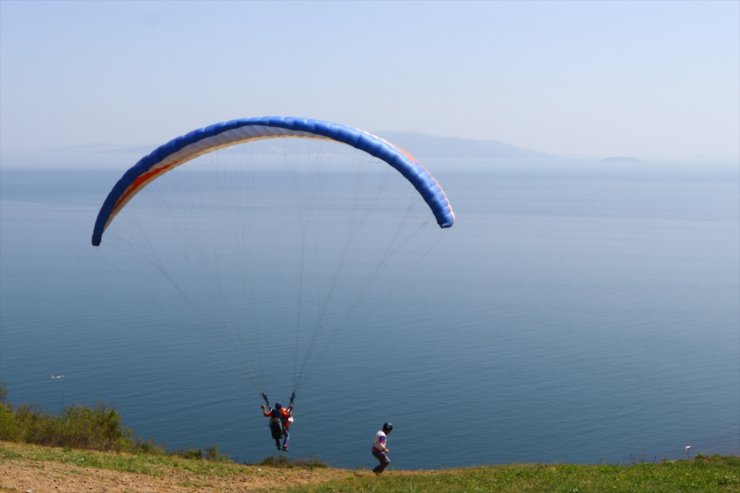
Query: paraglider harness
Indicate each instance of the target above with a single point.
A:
(276, 416)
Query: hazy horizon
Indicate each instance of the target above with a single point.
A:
(471, 154)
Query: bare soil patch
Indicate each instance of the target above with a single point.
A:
(41, 476)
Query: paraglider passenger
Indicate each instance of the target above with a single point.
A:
(286, 419)
(380, 448)
(275, 415)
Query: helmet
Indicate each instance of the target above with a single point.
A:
(278, 405)
(387, 427)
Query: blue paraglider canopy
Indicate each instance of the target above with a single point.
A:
(220, 135)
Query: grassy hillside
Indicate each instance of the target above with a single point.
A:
(88, 449)
(26, 467)
(703, 474)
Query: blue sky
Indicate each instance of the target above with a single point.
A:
(587, 79)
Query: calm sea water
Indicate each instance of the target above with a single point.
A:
(575, 313)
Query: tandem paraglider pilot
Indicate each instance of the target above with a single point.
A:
(380, 448)
(280, 421)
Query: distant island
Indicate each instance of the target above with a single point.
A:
(622, 159)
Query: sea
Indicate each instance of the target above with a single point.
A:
(577, 312)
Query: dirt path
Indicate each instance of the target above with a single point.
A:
(41, 476)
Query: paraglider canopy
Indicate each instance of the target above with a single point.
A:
(221, 135)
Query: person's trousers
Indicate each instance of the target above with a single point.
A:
(383, 459)
(285, 438)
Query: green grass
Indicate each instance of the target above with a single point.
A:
(151, 465)
(282, 461)
(703, 474)
(81, 427)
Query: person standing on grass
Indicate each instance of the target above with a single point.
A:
(380, 448)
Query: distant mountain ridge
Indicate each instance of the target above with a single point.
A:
(422, 145)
